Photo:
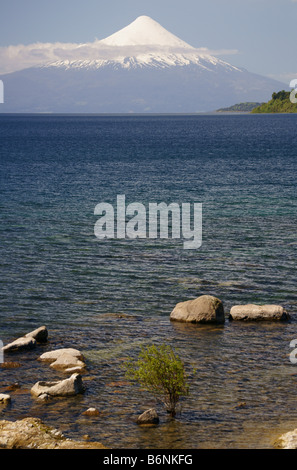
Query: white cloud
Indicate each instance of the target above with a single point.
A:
(13, 58)
(18, 57)
(217, 52)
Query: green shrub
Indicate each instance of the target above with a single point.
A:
(160, 371)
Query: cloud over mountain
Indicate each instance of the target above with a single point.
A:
(13, 58)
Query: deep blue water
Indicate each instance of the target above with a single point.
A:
(54, 271)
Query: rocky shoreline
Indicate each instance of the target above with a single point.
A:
(33, 433)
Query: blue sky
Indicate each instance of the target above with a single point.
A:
(263, 32)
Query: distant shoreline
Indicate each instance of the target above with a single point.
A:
(206, 113)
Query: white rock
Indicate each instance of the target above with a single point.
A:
(68, 387)
(252, 312)
(67, 361)
(4, 398)
(73, 370)
(52, 356)
(20, 344)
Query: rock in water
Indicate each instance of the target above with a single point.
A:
(4, 399)
(68, 360)
(32, 433)
(148, 417)
(40, 334)
(204, 309)
(28, 341)
(251, 312)
(62, 388)
(52, 356)
(20, 344)
(91, 412)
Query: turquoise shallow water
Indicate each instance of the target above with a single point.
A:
(109, 297)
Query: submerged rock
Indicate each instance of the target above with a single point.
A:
(43, 397)
(91, 412)
(204, 309)
(10, 365)
(252, 312)
(32, 433)
(14, 386)
(148, 417)
(63, 388)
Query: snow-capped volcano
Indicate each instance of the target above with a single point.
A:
(143, 43)
(141, 68)
(145, 31)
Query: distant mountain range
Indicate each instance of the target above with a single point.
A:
(142, 68)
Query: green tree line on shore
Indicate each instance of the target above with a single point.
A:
(280, 103)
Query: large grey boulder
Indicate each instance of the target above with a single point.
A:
(63, 388)
(204, 309)
(252, 312)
